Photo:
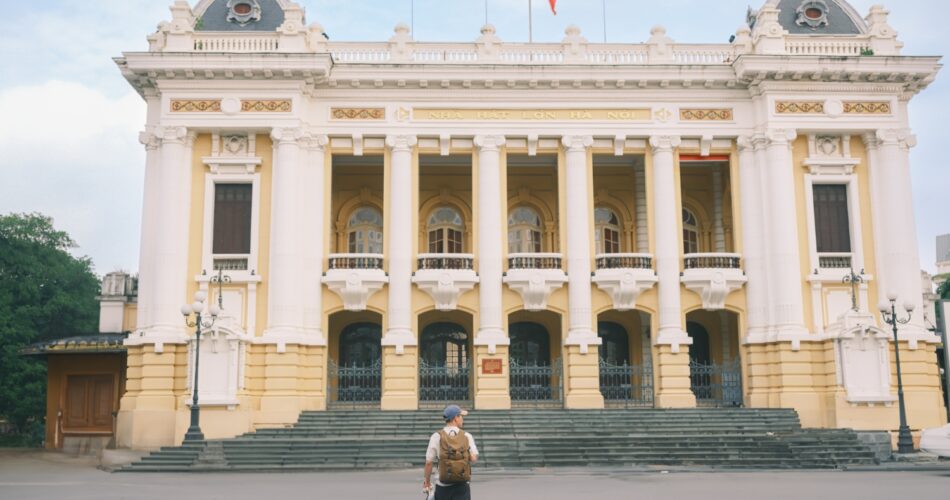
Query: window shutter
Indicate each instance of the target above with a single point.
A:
(232, 219)
(832, 225)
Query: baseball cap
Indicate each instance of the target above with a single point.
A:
(452, 411)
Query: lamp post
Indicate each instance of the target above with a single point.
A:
(197, 307)
(905, 442)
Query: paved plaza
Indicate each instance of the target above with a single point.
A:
(41, 475)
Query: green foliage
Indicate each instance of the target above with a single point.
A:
(45, 293)
(867, 52)
(943, 291)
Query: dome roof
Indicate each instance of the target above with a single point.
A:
(819, 17)
(239, 15)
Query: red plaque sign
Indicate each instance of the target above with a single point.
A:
(491, 366)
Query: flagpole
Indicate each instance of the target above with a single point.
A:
(486, 12)
(604, 10)
(412, 17)
(530, 34)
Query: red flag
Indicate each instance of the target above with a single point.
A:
(554, 6)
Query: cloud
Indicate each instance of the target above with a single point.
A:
(71, 152)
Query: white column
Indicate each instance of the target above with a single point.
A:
(666, 219)
(580, 330)
(166, 280)
(786, 273)
(285, 291)
(643, 229)
(152, 140)
(400, 211)
(490, 251)
(895, 230)
(753, 240)
(719, 235)
(314, 192)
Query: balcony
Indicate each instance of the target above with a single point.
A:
(445, 277)
(713, 276)
(535, 276)
(355, 277)
(828, 260)
(235, 262)
(624, 276)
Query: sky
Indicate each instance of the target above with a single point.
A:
(69, 122)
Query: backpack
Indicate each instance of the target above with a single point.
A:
(454, 466)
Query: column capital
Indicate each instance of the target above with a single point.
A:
(315, 142)
(286, 135)
(400, 142)
(745, 143)
(172, 135)
(151, 138)
(664, 143)
(490, 142)
(577, 142)
(780, 136)
(901, 137)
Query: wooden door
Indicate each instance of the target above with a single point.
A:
(89, 403)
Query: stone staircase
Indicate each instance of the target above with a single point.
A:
(349, 440)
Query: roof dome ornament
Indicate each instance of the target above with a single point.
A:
(812, 13)
(243, 12)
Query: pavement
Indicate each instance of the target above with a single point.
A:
(32, 474)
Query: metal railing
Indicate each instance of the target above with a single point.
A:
(828, 260)
(533, 384)
(356, 261)
(626, 385)
(355, 384)
(534, 261)
(230, 263)
(716, 384)
(440, 384)
(455, 261)
(711, 261)
(624, 261)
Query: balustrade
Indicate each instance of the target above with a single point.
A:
(356, 261)
(711, 261)
(534, 261)
(458, 261)
(624, 261)
(834, 260)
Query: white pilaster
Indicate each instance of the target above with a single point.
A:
(753, 240)
(166, 262)
(643, 235)
(490, 251)
(580, 331)
(895, 235)
(152, 141)
(312, 230)
(285, 285)
(399, 207)
(666, 216)
(786, 274)
(719, 234)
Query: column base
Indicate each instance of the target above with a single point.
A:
(583, 378)
(491, 388)
(400, 381)
(673, 378)
(145, 429)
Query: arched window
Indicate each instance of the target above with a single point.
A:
(524, 231)
(530, 344)
(615, 348)
(360, 344)
(690, 232)
(699, 351)
(365, 231)
(606, 230)
(445, 228)
(445, 345)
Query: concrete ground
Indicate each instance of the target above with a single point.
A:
(41, 475)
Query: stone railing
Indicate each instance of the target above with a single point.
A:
(828, 260)
(230, 262)
(451, 261)
(624, 261)
(237, 42)
(356, 261)
(534, 261)
(711, 261)
(822, 46)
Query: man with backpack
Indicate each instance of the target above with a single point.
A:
(456, 452)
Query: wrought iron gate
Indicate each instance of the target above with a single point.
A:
(356, 384)
(626, 385)
(535, 384)
(440, 384)
(716, 384)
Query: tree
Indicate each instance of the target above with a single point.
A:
(943, 291)
(45, 293)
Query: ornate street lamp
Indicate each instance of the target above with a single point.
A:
(905, 442)
(196, 308)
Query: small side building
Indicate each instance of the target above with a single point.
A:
(86, 374)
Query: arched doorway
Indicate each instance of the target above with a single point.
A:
(626, 367)
(357, 374)
(715, 370)
(534, 378)
(444, 363)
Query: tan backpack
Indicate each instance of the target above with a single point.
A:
(454, 465)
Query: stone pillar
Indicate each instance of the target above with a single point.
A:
(491, 341)
(785, 273)
(314, 192)
(895, 230)
(719, 235)
(400, 365)
(582, 364)
(285, 283)
(673, 383)
(753, 241)
(152, 140)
